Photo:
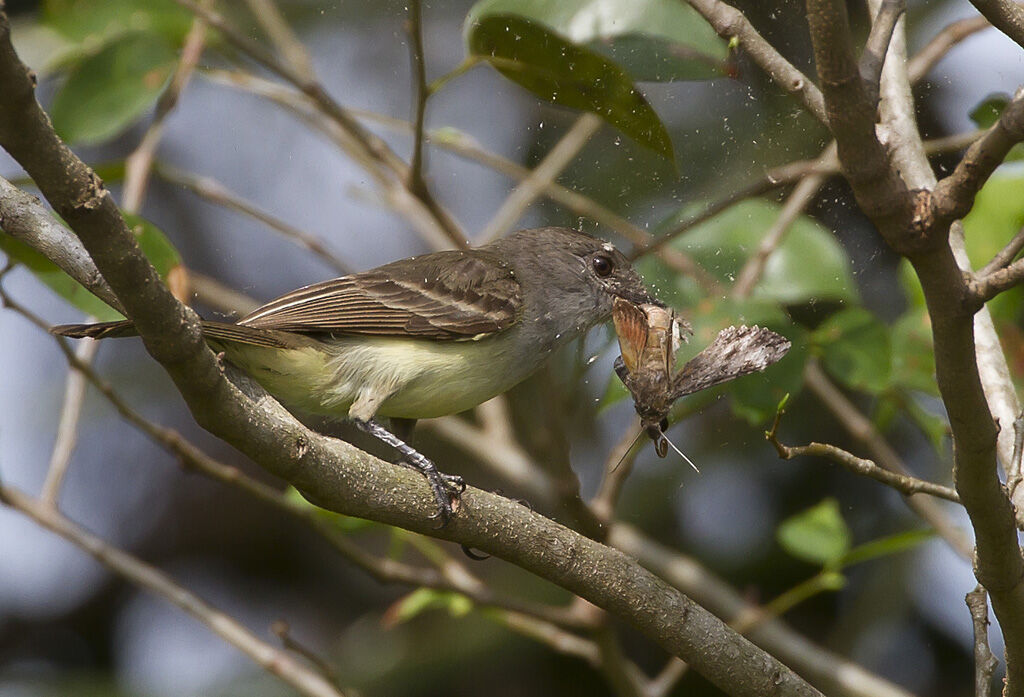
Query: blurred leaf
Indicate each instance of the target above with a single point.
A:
(998, 215)
(913, 359)
(423, 599)
(342, 522)
(155, 245)
(563, 73)
(818, 535)
(808, 267)
(885, 546)
(986, 112)
(655, 59)
(94, 22)
(56, 280)
(856, 349)
(652, 39)
(106, 93)
(614, 392)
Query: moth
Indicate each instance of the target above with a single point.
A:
(649, 336)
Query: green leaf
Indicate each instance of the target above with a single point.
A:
(652, 39)
(892, 544)
(856, 349)
(986, 112)
(109, 91)
(563, 73)
(344, 523)
(913, 359)
(423, 599)
(56, 280)
(809, 267)
(93, 23)
(997, 215)
(818, 535)
(155, 245)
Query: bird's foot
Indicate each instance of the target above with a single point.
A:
(447, 488)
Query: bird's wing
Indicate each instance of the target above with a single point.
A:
(447, 295)
(735, 352)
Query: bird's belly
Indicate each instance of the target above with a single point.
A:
(423, 378)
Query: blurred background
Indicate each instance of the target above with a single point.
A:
(69, 627)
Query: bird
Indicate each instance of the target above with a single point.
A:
(422, 337)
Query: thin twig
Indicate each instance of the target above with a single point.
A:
(863, 430)
(984, 662)
(904, 484)
(215, 192)
(1005, 255)
(281, 35)
(67, 428)
(1015, 468)
(617, 467)
(282, 630)
(774, 178)
(671, 673)
(366, 148)
(417, 184)
(557, 159)
(139, 163)
(954, 195)
(273, 660)
(984, 288)
(802, 196)
(873, 57)
(731, 24)
(941, 44)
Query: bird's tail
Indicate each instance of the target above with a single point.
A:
(99, 330)
(216, 331)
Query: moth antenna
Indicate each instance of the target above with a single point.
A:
(626, 451)
(681, 453)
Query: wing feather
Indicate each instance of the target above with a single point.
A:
(447, 295)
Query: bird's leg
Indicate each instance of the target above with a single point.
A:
(446, 487)
(403, 428)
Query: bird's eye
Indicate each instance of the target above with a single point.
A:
(603, 266)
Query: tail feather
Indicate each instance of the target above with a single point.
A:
(100, 330)
(218, 331)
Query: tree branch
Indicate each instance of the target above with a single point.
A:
(984, 662)
(366, 147)
(215, 192)
(338, 476)
(906, 485)
(1007, 17)
(954, 195)
(731, 24)
(873, 57)
(557, 159)
(852, 115)
(273, 660)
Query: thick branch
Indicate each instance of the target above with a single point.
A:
(1007, 17)
(852, 116)
(25, 218)
(954, 195)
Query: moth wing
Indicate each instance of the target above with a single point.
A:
(735, 352)
(631, 330)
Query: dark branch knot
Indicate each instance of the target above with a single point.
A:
(92, 197)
